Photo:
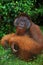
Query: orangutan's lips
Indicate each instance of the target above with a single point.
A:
(20, 27)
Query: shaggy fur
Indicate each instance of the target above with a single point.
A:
(36, 33)
(5, 39)
(25, 47)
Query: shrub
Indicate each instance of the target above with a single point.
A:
(9, 9)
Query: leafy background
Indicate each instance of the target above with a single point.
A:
(9, 9)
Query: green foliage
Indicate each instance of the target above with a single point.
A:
(9, 9)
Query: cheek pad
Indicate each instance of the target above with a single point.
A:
(28, 23)
(16, 22)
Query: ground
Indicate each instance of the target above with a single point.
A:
(7, 58)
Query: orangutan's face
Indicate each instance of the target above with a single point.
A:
(22, 24)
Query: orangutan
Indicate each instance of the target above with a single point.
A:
(24, 25)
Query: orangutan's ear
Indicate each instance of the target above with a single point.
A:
(16, 22)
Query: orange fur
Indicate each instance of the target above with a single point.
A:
(27, 46)
(6, 39)
(36, 33)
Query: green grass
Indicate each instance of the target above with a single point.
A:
(7, 58)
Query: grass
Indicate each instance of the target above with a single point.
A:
(7, 58)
